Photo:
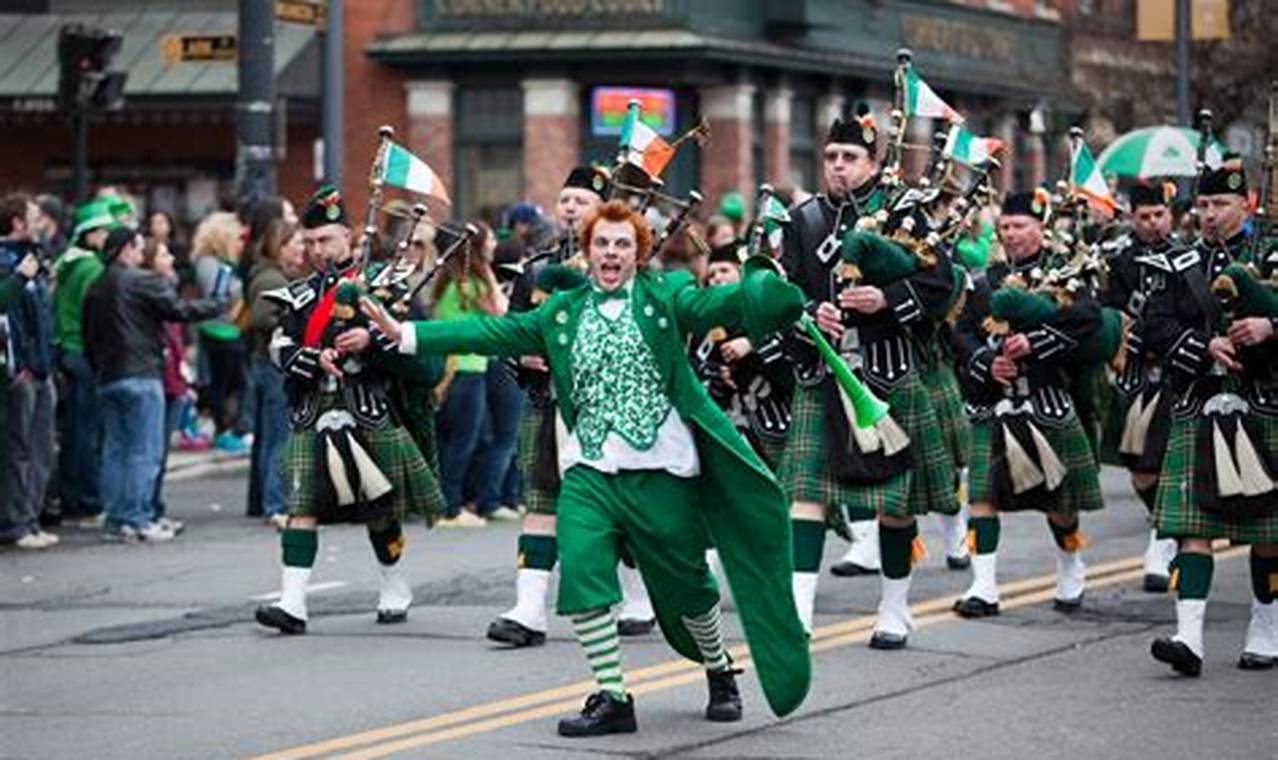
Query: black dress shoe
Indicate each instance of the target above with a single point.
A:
(603, 714)
(1178, 655)
(272, 616)
(725, 700)
(635, 627)
(1250, 661)
(975, 607)
(390, 617)
(507, 631)
(958, 563)
(881, 640)
(849, 569)
(1068, 606)
(1156, 584)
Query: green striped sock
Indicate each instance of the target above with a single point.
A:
(707, 631)
(597, 632)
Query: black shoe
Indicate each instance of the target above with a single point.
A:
(507, 631)
(1178, 655)
(1068, 606)
(725, 700)
(1156, 584)
(881, 640)
(272, 616)
(1250, 661)
(603, 714)
(635, 627)
(390, 617)
(975, 607)
(849, 569)
(958, 563)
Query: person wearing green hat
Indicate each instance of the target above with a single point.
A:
(74, 272)
(732, 206)
(640, 431)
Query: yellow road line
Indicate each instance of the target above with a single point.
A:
(508, 712)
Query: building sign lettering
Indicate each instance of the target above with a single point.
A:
(546, 8)
(958, 38)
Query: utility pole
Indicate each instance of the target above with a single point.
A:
(1183, 31)
(255, 105)
(332, 98)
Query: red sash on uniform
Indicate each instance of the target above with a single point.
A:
(317, 323)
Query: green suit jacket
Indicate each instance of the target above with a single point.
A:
(745, 511)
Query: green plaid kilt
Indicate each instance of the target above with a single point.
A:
(1114, 406)
(928, 486)
(943, 392)
(1079, 492)
(1088, 390)
(416, 491)
(536, 501)
(1175, 512)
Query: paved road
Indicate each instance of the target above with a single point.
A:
(111, 651)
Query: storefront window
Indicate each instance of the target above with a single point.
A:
(489, 147)
(803, 140)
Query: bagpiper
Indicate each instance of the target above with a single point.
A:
(639, 431)
(1217, 331)
(906, 471)
(543, 273)
(751, 383)
(1020, 332)
(348, 458)
(1138, 275)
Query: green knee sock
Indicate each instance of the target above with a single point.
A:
(1066, 537)
(983, 534)
(597, 633)
(809, 544)
(299, 547)
(860, 514)
(388, 542)
(895, 546)
(1264, 577)
(537, 552)
(1147, 495)
(1191, 575)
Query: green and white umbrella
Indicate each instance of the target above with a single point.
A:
(1157, 152)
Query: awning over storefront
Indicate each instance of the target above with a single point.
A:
(29, 57)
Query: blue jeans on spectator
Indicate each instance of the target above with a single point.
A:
(460, 423)
(80, 429)
(174, 407)
(270, 424)
(505, 401)
(132, 448)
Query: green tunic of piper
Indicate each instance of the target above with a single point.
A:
(742, 508)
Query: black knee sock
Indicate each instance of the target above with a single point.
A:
(1147, 495)
(299, 547)
(1192, 575)
(1066, 537)
(809, 544)
(388, 542)
(1264, 577)
(984, 532)
(895, 548)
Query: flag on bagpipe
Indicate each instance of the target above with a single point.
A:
(641, 145)
(404, 170)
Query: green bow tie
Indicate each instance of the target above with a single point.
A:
(620, 294)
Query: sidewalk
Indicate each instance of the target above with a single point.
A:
(185, 465)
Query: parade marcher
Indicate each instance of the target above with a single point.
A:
(1138, 274)
(1219, 478)
(348, 459)
(823, 468)
(525, 623)
(1029, 450)
(74, 272)
(639, 430)
(752, 384)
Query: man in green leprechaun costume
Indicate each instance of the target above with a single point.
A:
(650, 464)
(348, 458)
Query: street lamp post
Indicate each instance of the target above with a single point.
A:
(255, 106)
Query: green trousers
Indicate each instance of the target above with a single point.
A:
(649, 513)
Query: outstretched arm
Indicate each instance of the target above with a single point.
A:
(509, 335)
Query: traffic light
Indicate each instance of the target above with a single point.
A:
(84, 81)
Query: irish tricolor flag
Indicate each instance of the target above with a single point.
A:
(921, 100)
(641, 145)
(1085, 178)
(968, 149)
(402, 169)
